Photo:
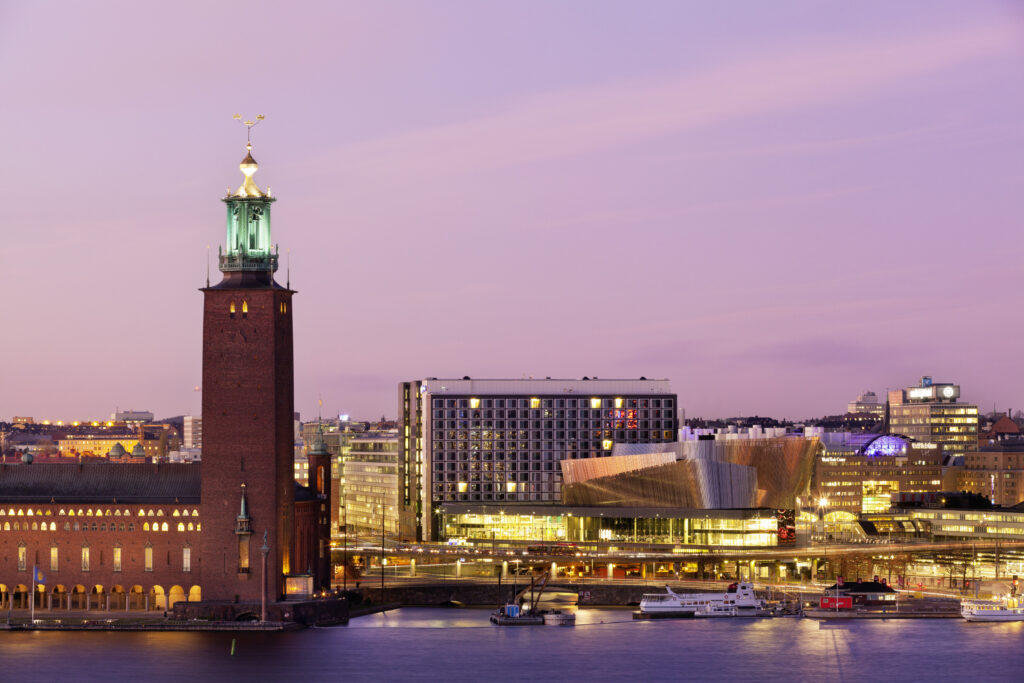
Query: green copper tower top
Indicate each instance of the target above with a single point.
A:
(248, 248)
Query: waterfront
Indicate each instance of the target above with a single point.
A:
(460, 645)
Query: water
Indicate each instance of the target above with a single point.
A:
(461, 645)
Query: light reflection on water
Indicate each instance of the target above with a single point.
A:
(606, 644)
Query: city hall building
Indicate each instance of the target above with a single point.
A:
(501, 441)
(135, 536)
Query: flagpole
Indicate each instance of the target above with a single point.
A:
(32, 608)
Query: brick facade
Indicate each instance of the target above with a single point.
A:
(248, 411)
(29, 532)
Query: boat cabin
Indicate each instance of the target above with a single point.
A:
(867, 593)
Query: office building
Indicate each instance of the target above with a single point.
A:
(500, 441)
(862, 473)
(930, 412)
(370, 486)
(867, 403)
(192, 431)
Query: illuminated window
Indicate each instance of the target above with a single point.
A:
(595, 403)
(145, 526)
(231, 309)
(159, 513)
(149, 558)
(606, 444)
(54, 559)
(618, 403)
(245, 309)
(535, 403)
(117, 558)
(186, 559)
(53, 526)
(85, 558)
(511, 486)
(163, 527)
(462, 487)
(22, 558)
(190, 526)
(176, 514)
(181, 526)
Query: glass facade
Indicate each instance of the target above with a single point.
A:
(728, 528)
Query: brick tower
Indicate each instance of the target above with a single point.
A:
(248, 408)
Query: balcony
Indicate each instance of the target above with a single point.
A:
(248, 262)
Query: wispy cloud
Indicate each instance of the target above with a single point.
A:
(574, 121)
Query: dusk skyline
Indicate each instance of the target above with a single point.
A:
(776, 209)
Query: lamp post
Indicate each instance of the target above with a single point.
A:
(822, 506)
(382, 510)
(344, 545)
(265, 550)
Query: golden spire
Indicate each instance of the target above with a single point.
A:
(249, 165)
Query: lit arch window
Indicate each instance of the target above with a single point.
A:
(53, 526)
(150, 513)
(245, 309)
(142, 513)
(88, 513)
(163, 527)
(195, 513)
(145, 526)
(231, 309)
(190, 527)
(7, 526)
(29, 512)
(199, 527)
(159, 513)
(184, 513)
(181, 526)
(35, 526)
(176, 514)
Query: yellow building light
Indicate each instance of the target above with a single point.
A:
(474, 403)
(618, 403)
(511, 487)
(606, 444)
(595, 403)
(462, 487)
(535, 403)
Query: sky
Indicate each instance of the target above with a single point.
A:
(777, 206)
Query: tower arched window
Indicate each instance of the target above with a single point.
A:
(231, 309)
(245, 309)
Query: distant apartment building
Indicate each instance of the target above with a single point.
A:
(862, 473)
(930, 412)
(155, 440)
(500, 441)
(132, 416)
(867, 403)
(370, 485)
(192, 431)
(996, 472)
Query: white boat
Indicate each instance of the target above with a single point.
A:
(739, 596)
(1005, 609)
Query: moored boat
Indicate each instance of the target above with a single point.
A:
(1004, 609)
(739, 597)
(559, 618)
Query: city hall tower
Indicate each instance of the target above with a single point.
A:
(248, 486)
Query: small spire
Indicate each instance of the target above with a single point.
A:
(249, 165)
(243, 512)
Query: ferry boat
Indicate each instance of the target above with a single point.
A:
(1006, 609)
(739, 597)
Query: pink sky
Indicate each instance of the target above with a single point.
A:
(774, 205)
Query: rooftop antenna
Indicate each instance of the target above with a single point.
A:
(288, 282)
(249, 125)
(207, 266)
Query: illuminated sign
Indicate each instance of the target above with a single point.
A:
(921, 393)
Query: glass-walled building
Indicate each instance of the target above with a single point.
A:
(931, 412)
(724, 528)
(370, 484)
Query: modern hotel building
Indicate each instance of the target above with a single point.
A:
(500, 441)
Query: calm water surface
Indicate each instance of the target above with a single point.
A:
(461, 645)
